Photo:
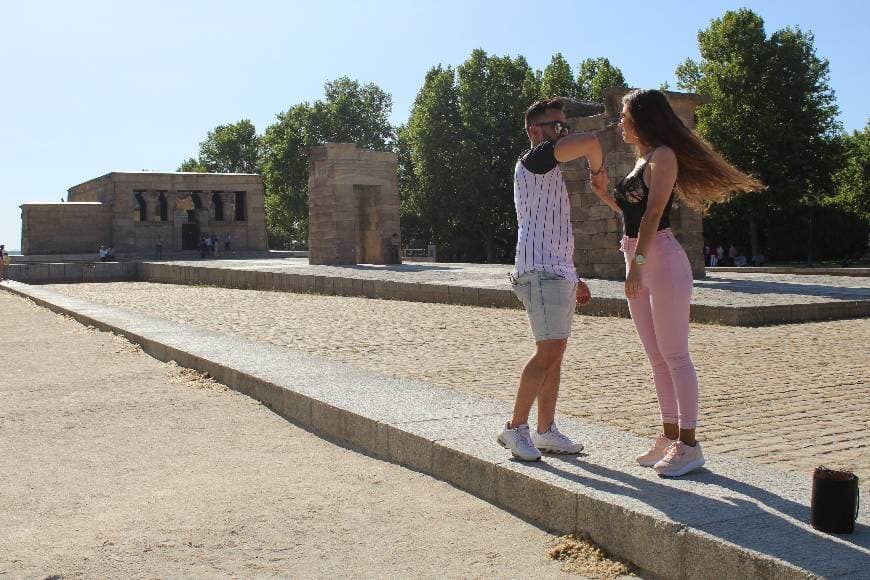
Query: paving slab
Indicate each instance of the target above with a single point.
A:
(732, 519)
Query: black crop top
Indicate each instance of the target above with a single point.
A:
(631, 195)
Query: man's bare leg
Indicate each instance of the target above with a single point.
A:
(538, 376)
(547, 396)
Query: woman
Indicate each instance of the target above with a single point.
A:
(658, 285)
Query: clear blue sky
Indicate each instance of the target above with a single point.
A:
(95, 86)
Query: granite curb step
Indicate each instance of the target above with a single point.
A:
(728, 520)
(468, 295)
(461, 294)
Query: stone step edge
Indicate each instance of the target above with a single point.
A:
(694, 553)
(476, 296)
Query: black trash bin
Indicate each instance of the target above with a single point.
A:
(835, 501)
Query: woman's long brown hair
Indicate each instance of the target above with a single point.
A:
(703, 176)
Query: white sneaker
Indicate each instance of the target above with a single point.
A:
(680, 460)
(554, 441)
(655, 453)
(518, 441)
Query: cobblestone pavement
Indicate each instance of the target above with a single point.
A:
(792, 396)
(718, 289)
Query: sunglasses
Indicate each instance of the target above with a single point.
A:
(557, 126)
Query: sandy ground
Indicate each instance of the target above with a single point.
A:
(790, 396)
(116, 465)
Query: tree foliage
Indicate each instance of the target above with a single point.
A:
(558, 79)
(191, 165)
(596, 75)
(458, 151)
(285, 175)
(853, 178)
(772, 114)
(233, 148)
(430, 156)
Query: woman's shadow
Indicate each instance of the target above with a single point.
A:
(732, 510)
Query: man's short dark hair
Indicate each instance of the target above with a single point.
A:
(539, 108)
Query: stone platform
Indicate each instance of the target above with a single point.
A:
(732, 298)
(733, 519)
(728, 298)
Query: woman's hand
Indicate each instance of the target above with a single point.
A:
(583, 293)
(633, 282)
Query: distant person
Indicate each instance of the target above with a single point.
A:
(732, 254)
(707, 255)
(209, 245)
(720, 255)
(544, 277)
(672, 162)
(110, 254)
(759, 259)
(740, 259)
(203, 247)
(227, 241)
(4, 258)
(103, 254)
(158, 248)
(215, 244)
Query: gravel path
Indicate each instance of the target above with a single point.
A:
(116, 465)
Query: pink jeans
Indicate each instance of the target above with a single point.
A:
(661, 317)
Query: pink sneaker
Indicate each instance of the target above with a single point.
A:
(680, 459)
(655, 453)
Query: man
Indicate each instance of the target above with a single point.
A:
(544, 278)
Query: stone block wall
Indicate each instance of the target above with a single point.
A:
(130, 233)
(99, 189)
(597, 229)
(353, 205)
(65, 228)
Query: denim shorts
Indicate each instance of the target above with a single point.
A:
(549, 301)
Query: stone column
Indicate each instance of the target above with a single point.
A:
(153, 205)
(353, 204)
(229, 199)
(179, 203)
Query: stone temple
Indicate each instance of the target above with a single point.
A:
(130, 210)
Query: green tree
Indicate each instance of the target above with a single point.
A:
(853, 179)
(285, 175)
(596, 75)
(492, 100)
(457, 153)
(355, 113)
(558, 79)
(350, 112)
(430, 157)
(233, 148)
(191, 165)
(772, 114)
